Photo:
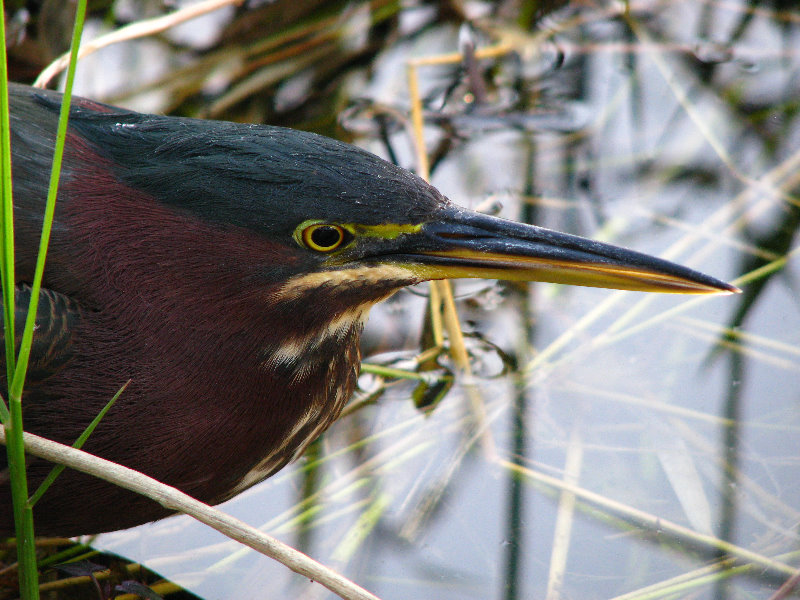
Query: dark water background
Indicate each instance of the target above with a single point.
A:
(671, 128)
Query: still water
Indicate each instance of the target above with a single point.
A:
(605, 439)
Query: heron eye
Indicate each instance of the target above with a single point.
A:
(323, 237)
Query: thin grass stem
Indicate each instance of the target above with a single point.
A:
(16, 369)
(57, 470)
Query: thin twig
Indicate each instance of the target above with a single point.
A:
(173, 499)
(133, 31)
(787, 588)
(565, 517)
(442, 290)
(647, 521)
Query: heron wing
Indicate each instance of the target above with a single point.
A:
(56, 319)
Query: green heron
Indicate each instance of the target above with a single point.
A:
(227, 270)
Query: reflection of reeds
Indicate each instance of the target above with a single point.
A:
(709, 129)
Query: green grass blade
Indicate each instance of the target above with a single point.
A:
(52, 192)
(6, 219)
(12, 415)
(56, 471)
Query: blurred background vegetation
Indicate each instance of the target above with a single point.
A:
(606, 442)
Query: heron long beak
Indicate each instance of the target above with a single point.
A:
(467, 244)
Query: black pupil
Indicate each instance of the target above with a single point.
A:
(325, 237)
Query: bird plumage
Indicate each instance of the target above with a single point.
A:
(226, 270)
(170, 248)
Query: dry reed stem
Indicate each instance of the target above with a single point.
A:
(173, 499)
